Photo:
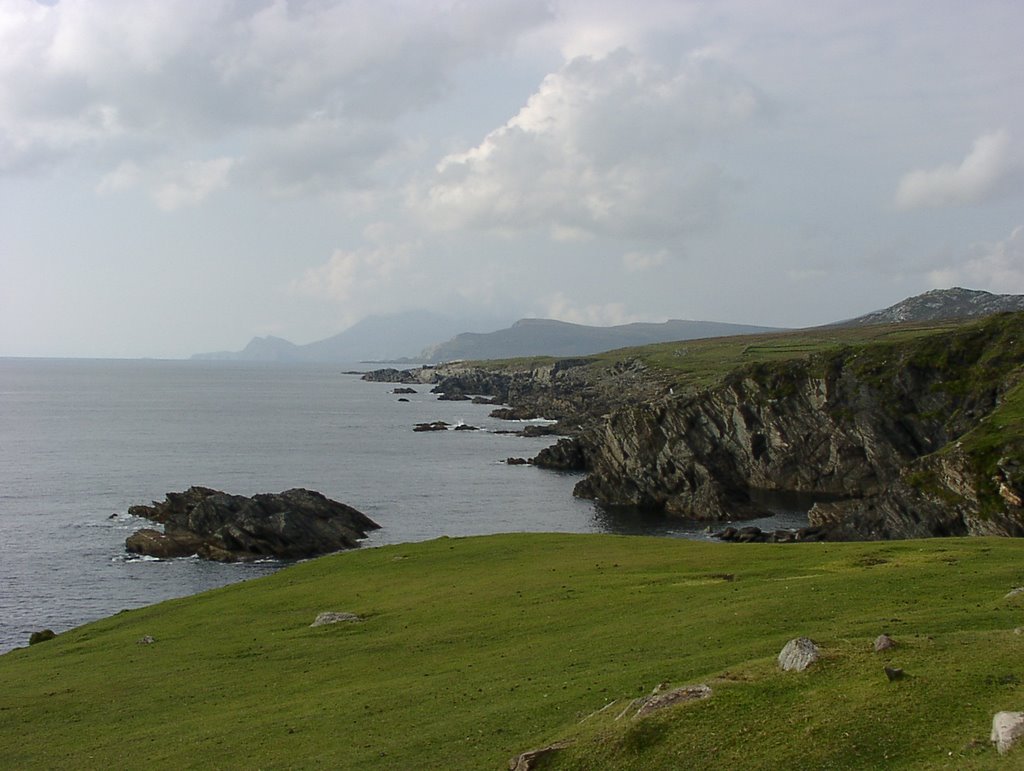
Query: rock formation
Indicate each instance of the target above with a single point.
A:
(798, 654)
(896, 438)
(1007, 729)
(230, 528)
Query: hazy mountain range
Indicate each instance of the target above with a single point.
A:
(417, 335)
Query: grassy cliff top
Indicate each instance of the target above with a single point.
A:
(473, 650)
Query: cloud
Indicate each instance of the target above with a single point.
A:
(997, 267)
(171, 185)
(558, 306)
(979, 176)
(277, 82)
(355, 275)
(606, 146)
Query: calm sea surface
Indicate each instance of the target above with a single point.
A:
(82, 440)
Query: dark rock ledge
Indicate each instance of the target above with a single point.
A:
(232, 528)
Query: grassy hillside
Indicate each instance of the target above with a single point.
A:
(473, 650)
(700, 363)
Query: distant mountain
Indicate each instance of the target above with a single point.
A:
(545, 337)
(938, 304)
(375, 338)
(259, 349)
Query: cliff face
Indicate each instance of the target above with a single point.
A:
(918, 433)
(871, 424)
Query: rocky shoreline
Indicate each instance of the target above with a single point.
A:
(878, 426)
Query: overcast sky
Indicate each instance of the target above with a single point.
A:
(181, 175)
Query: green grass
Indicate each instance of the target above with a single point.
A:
(475, 649)
(697, 364)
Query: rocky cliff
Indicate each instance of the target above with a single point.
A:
(920, 438)
(916, 431)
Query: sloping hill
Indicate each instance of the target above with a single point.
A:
(546, 337)
(465, 658)
(940, 304)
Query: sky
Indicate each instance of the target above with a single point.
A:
(180, 176)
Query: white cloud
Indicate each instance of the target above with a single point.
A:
(192, 182)
(113, 81)
(354, 276)
(977, 177)
(997, 267)
(558, 306)
(606, 146)
(171, 184)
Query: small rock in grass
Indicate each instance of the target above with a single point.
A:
(1014, 592)
(798, 654)
(1007, 728)
(668, 698)
(332, 617)
(894, 673)
(146, 640)
(884, 642)
(41, 636)
(527, 760)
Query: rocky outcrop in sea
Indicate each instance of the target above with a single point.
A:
(218, 526)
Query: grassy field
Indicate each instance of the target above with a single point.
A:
(697, 364)
(473, 650)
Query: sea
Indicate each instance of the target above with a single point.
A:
(81, 440)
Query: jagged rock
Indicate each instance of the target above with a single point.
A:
(229, 528)
(333, 617)
(534, 430)
(154, 543)
(404, 390)
(41, 636)
(517, 461)
(567, 455)
(453, 397)
(883, 643)
(392, 375)
(526, 761)
(664, 699)
(145, 640)
(437, 425)
(466, 427)
(798, 654)
(1007, 728)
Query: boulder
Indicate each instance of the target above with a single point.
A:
(333, 617)
(883, 643)
(404, 390)
(1007, 728)
(893, 673)
(217, 526)
(798, 654)
(41, 636)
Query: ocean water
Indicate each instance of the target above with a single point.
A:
(82, 440)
